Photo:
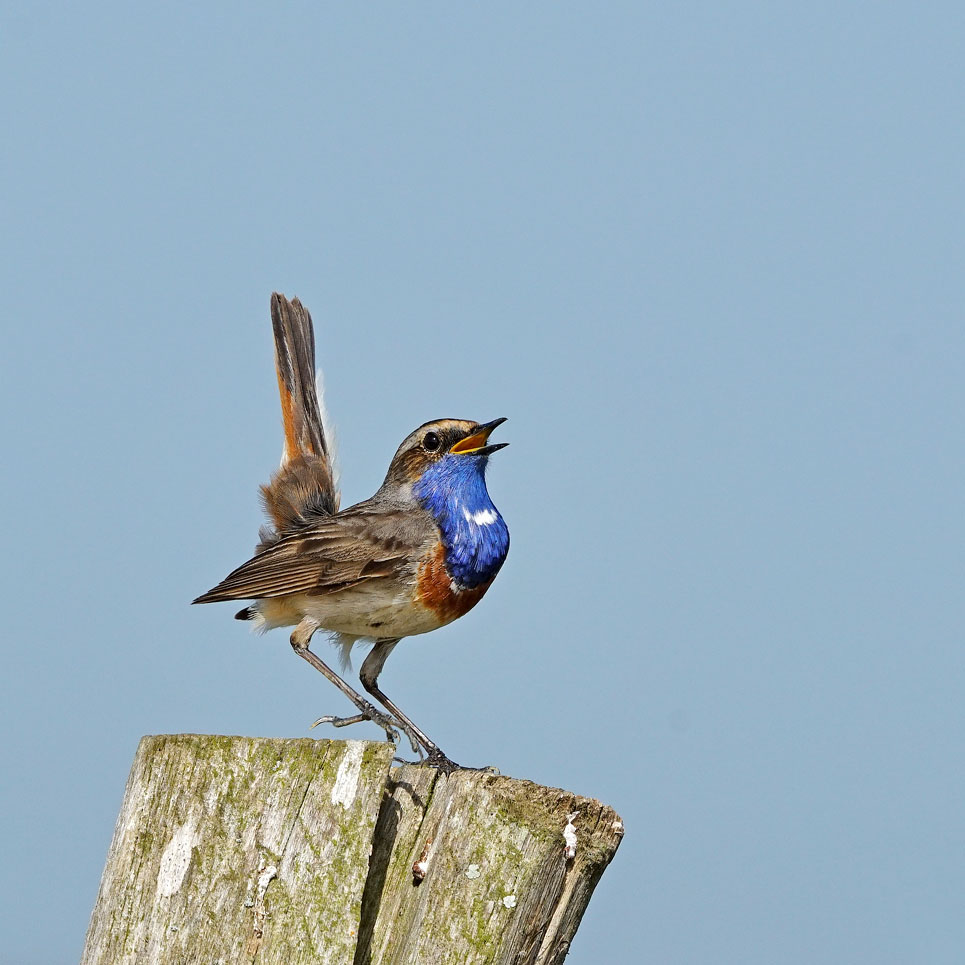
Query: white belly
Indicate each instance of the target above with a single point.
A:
(362, 611)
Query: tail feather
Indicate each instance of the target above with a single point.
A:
(295, 367)
(304, 487)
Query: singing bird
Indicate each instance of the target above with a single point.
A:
(415, 556)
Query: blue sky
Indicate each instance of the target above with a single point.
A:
(706, 258)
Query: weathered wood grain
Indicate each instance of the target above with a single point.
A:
(302, 852)
(498, 887)
(230, 849)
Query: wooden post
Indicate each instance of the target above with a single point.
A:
(236, 850)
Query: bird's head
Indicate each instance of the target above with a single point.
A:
(445, 447)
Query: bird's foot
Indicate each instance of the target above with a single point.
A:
(389, 724)
(440, 762)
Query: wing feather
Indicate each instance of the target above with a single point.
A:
(334, 554)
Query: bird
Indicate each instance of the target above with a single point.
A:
(418, 554)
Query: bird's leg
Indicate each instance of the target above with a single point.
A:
(300, 639)
(369, 675)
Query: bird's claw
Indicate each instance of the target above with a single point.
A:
(389, 724)
(440, 762)
(416, 746)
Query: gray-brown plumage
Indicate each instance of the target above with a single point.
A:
(366, 542)
(417, 555)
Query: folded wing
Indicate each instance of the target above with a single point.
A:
(334, 554)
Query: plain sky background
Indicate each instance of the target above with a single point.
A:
(707, 258)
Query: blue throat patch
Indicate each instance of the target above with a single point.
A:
(475, 536)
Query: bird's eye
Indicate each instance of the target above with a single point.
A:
(431, 442)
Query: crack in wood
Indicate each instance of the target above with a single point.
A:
(339, 866)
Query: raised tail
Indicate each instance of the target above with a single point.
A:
(305, 485)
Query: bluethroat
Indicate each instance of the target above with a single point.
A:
(417, 555)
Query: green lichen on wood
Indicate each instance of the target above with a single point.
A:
(496, 870)
(238, 850)
(203, 819)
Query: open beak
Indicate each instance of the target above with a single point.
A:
(476, 441)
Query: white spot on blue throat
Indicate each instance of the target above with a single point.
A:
(482, 517)
(475, 536)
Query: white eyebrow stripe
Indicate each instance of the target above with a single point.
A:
(484, 517)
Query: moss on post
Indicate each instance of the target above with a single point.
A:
(496, 884)
(231, 849)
